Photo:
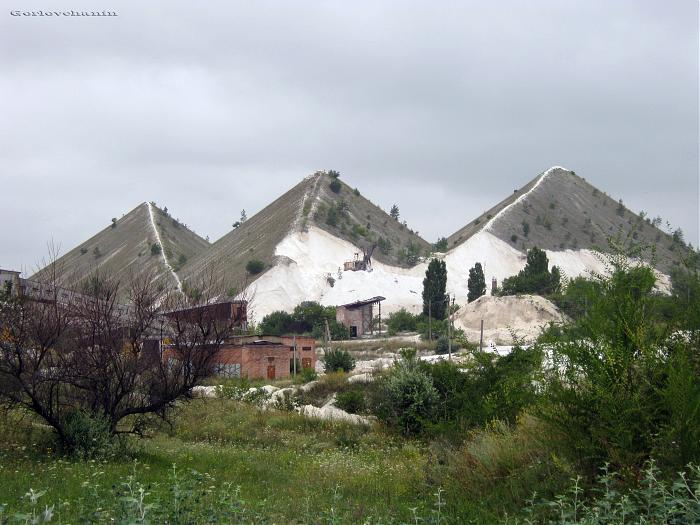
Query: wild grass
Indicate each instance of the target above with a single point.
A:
(274, 467)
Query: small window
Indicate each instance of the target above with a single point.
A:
(228, 370)
(306, 349)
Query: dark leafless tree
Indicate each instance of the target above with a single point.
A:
(63, 351)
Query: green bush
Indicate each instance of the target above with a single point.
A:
(335, 186)
(352, 401)
(441, 245)
(277, 323)
(402, 321)
(358, 229)
(88, 435)
(443, 346)
(438, 328)
(491, 387)
(620, 386)
(405, 398)
(336, 359)
(254, 266)
(535, 278)
(155, 249)
(308, 375)
(384, 245)
(309, 318)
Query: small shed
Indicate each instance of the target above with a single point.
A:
(358, 316)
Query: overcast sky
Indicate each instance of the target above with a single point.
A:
(442, 107)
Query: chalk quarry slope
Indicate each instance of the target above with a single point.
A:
(124, 249)
(311, 204)
(309, 261)
(310, 269)
(522, 316)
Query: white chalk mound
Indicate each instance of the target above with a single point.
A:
(526, 315)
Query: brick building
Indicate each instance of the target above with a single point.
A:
(358, 316)
(266, 357)
(269, 357)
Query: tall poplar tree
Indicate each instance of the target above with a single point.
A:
(476, 284)
(434, 290)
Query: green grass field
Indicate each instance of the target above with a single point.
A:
(257, 467)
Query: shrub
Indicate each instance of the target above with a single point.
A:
(254, 266)
(441, 245)
(402, 321)
(410, 254)
(384, 245)
(155, 248)
(87, 435)
(358, 229)
(276, 323)
(619, 387)
(337, 359)
(405, 398)
(352, 401)
(335, 186)
(535, 278)
(308, 375)
(332, 216)
(425, 326)
(443, 345)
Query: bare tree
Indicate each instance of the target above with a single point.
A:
(64, 351)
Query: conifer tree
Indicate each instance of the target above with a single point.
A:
(476, 284)
(434, 288)
(394, 212)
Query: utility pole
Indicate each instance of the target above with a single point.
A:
(430, 319)
(481, 337)
(449, 329)
(295, 356)
(327, 334)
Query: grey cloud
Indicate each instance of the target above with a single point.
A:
(443, 107)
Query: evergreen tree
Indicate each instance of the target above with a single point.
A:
(535, 278)
(394, 212)
(476, 283)
(440, 245)
(434, 288)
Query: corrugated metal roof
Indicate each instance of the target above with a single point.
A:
(364, 302)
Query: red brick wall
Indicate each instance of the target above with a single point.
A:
(306, 349)
(350, 317)
(255, 359)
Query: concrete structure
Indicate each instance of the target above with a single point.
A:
(358, 316)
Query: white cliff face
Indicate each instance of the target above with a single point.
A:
(306, 260)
